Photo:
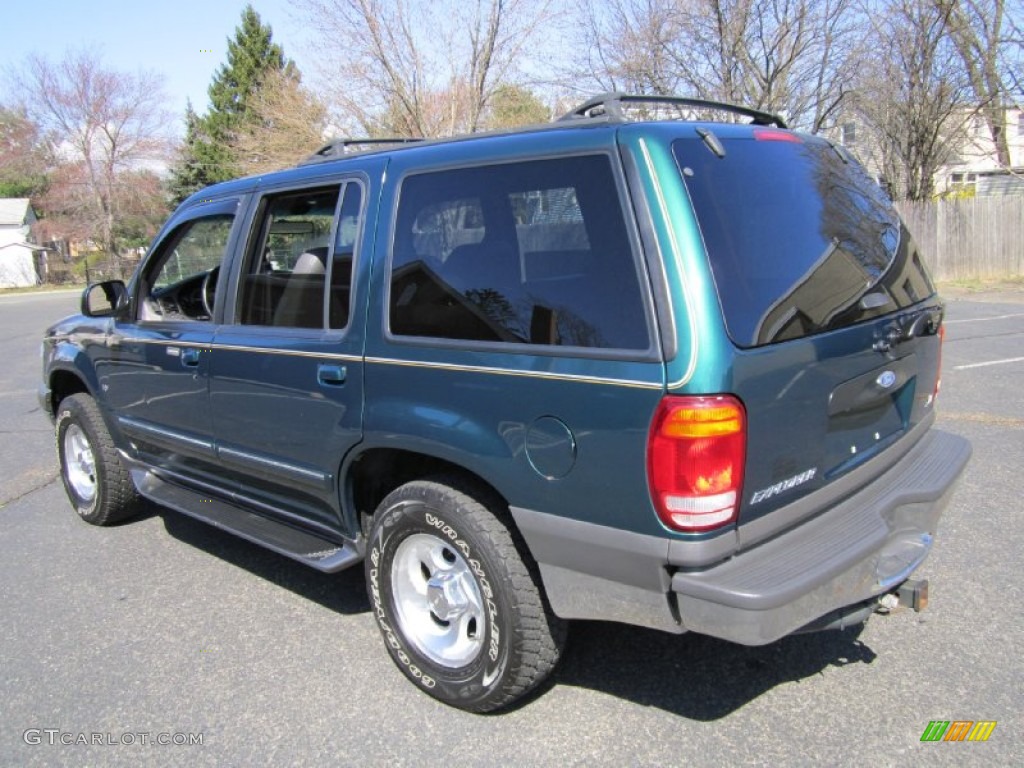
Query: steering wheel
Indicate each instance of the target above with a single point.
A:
(206, 292)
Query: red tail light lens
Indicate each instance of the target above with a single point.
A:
(770, 134)
(695, 458)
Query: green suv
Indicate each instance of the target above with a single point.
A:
(632, 366)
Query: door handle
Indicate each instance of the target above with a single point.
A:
(190, 357)
(331, 375)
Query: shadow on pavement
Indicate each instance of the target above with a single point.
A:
(343, 592)
(694, 676)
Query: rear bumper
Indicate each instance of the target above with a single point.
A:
(859, 548)
(863, 547)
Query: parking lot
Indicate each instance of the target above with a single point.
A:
(162, 629)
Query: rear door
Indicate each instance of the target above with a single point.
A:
(518, 339)
(824, 295)
(286, 378)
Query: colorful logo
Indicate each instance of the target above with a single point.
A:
(958, 730)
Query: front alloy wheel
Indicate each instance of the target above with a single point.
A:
(96, 481)
(81, 466)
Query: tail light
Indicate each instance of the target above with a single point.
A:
(695, 458)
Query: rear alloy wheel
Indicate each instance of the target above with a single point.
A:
(97, 483)
(461, 612)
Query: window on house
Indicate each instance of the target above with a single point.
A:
(963, 181)
(849, 133)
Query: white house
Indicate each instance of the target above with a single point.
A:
(974, 168)
(17, 262)
(971, 167)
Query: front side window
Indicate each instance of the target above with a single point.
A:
(181, 282)
(520, 253)
(300, 269)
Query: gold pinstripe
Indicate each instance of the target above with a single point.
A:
(631, 383)
(245, 348)
(514, 372)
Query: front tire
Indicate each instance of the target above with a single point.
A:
(97, 483)
(454, 596)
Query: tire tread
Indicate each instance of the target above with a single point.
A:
(117, 497)
(540, 636)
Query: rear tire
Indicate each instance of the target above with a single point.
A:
(96, 481)
(456, 597)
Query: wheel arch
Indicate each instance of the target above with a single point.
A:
(63, 383)
(375, 472)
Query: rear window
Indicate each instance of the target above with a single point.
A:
(800, 239)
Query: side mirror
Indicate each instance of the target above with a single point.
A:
(105, 299)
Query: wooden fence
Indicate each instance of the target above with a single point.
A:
(981, 237)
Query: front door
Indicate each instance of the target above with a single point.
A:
(155, 377)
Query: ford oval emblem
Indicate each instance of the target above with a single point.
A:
(886, 379)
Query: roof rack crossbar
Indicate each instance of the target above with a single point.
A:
(339, 147)
(610, 105)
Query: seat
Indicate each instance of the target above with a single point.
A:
(302, 301)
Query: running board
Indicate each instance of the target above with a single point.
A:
(307, 548)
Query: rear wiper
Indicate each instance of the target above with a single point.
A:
(712, 142)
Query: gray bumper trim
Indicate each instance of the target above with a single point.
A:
(858, 549)
(596, 572)
(45, 397)
(849, 553)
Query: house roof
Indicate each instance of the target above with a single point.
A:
(13, 211)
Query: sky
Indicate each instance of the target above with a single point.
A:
(183, 40)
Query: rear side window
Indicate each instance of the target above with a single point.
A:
(521, 253)
(801, 240)
(302, 259)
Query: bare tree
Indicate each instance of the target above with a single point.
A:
(420, 67)
(797, 57)
(286, 123)
(100, 124)
(914, 95)
(981, 31)
(626, 45)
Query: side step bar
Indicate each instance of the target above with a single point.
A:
(307, 548)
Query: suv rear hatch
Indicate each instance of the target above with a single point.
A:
(824, 295)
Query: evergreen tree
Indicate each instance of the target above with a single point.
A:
(207, 156)
(187, 175)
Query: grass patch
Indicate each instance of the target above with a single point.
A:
(982, 284)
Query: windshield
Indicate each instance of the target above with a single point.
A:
(800, 238)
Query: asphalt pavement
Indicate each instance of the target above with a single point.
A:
(163, 630)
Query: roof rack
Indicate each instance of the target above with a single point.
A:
(610, 106)
(339, 147)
